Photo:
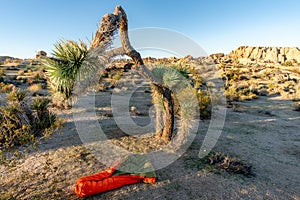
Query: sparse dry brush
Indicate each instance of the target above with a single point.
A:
(35, 88)
(229, 164)
(22, 124)
(249, 81)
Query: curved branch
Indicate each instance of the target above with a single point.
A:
(109, 25)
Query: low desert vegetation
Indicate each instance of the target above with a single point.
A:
(23, 124)
(218, 162)
(230, 164)
(35, 88)
(297, 106)
(249, 81)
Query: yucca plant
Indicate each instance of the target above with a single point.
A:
(40, 105)
(17, 95)
(62, 69)
(183, 103)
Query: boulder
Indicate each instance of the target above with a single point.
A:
(40, 54)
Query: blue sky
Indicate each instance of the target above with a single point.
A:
(216, 25)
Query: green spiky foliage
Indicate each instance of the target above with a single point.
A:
(183, 97)
(176, 80)
(44, 118)
(16, 96)
(63, 68)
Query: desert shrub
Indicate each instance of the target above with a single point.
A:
(273, 88)
(21, 124)
(247, 97)
(117, 76)
(34, 88)
(205, 104)
(288, 63)
(224, 162)
(44, 118)
(6, 88)
(17, 95)
(231, 93)
(40, 104)
(15, 127)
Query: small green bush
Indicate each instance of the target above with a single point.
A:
(288, 63)
(205, 105)
(15, 127)
(44, 118)
(16, 96)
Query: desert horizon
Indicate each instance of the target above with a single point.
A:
(149, 113)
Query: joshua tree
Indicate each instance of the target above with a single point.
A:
(70, 56)
(109, 25)
(62, 68)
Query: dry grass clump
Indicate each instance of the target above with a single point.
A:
(34, 88)
(21, 72)
(229, 164)
(6, 88)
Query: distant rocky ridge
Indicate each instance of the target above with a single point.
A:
(3, 58)
(245, 54)
(267, 54)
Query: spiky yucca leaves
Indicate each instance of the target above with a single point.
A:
(185, 101)
(171, 78)
(63, 68)
(40, 105)
(88, 75)
(43, 117)
(17, 95)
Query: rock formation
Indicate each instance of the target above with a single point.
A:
(40, 54)
(267, 54)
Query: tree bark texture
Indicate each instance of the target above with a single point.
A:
(109, 26)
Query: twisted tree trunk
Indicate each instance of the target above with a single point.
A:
(103, 38)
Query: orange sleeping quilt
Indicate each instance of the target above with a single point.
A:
(116, 177)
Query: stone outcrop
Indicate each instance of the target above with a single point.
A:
(40, 54)
(267, 54)
(217, 55)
